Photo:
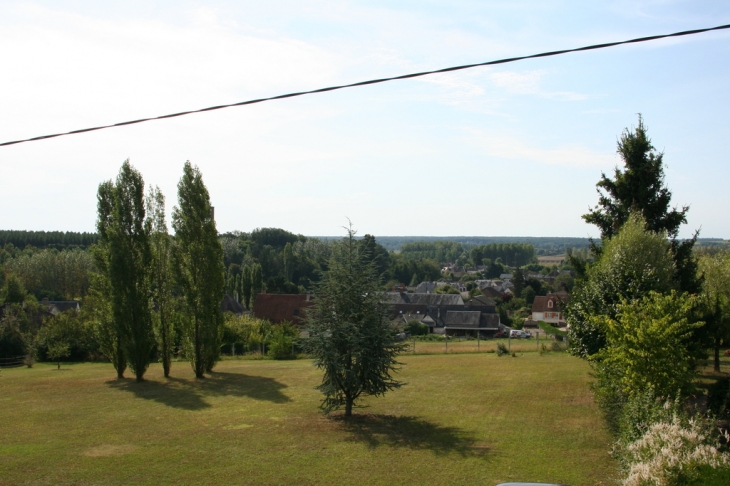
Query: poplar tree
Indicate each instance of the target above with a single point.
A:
(125, 239)
(257, 282)
(246, 286)
(198, 257)
(161, 278)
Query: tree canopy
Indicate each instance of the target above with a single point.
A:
(633, 263)
(198, 258)
(639, 187)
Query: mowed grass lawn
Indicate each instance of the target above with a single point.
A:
(461, 419)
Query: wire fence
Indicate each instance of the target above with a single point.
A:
(12, 362)
(540, 342)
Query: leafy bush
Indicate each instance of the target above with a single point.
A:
(281, 344)
(416, 328)
(632, 263)
(502, 349)
(245, 332)
(647, 344)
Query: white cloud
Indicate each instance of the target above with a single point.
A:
(507, 147)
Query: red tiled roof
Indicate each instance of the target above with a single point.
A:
(541, 303)
(282, 307)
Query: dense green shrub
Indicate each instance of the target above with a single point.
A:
(502, 349)
(282, 342)
(647, 345)
(416, 328)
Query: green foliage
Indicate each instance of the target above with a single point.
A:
(564, 282)
(13, 292)
(257, 282)
(715, 300)
(554, 331)
(439, 251)
(445, 289)
(246, 286)
(198, 261)
(98, 306)
(281, 343)
(280, 285)
(639, 187)
(513, 254)
(405, 269)
(647, 342)
(633, 263)
(47, 239)
(53, 274)
(69, 332)
(415, 328)
(502, 349)
(126, 261)
(161, 274)
(58, 350)
(350, 336)
(529, 295)
(14, 338)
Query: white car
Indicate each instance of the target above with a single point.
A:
(518, 334)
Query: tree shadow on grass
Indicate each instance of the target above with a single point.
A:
(412, 433)
(190, 394)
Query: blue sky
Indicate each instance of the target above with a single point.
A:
(513, 150)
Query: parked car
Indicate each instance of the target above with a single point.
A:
(519, 334)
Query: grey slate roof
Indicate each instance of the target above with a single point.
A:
(425, 287)
(462, 319)
(394, 298)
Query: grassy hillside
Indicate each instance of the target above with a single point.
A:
(461, 419)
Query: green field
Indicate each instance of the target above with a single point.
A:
(461, 419)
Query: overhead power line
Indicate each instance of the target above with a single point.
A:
(376, 81)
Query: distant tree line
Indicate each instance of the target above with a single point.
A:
(440, 251)
(47, 239)
(513, 254)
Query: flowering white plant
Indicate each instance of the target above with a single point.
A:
(669, 450)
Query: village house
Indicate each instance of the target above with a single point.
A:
(548, 308)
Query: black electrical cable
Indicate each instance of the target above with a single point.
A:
(381, 80)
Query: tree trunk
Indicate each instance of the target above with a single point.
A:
(717, 355)
(165, 351)
(199, 359)
(59, 365)
(348, 407)
(121, 362)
